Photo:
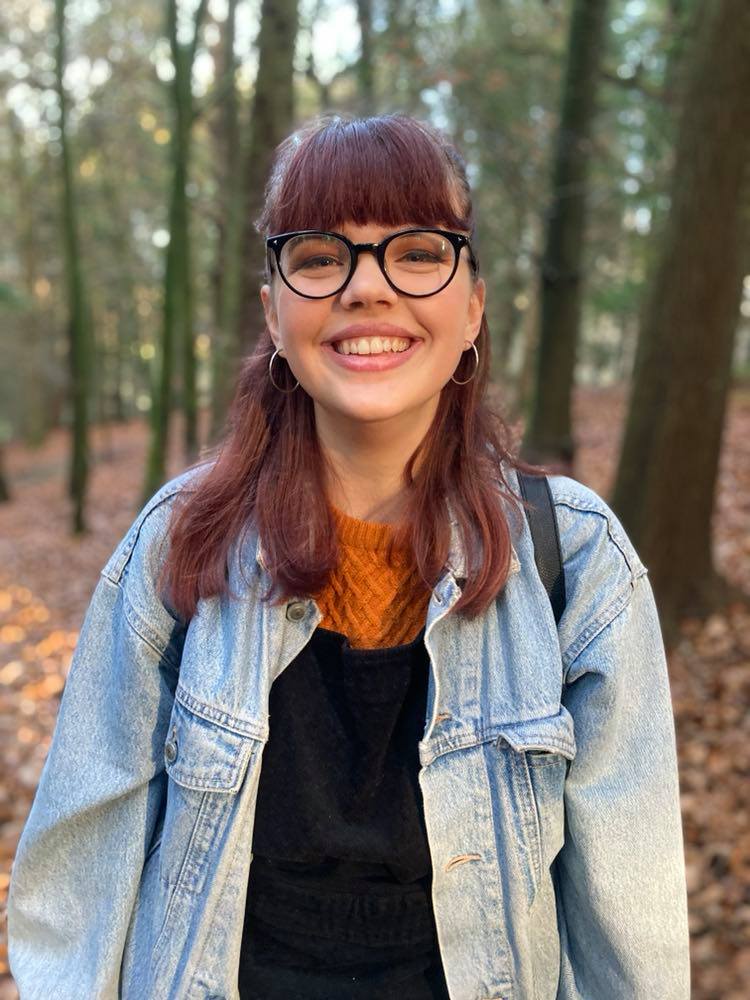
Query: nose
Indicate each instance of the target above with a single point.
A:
(367, 285)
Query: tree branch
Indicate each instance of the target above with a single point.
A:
(200, 15)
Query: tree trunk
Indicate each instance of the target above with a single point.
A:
(668, 466)
(313, 15)
(549, 436)
(177, 323)
(227, 348)
(365, 63)
(4, 488)
(271, 120)
(127, 341)
(403, 85)
(34, 421)
(161, 393)
(79, 320)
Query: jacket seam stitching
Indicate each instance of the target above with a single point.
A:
(605, 617)
(117, 570)
(218, 717)
(477, 738)
(140, 627)
(197, 974)
(575, 504)
(597, 626)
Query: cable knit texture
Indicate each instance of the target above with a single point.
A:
(373, 602)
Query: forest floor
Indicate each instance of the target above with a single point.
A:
(47, 578)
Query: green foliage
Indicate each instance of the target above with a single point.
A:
(488, 72)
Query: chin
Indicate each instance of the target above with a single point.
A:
(371, 411)
(374, 405)
(374, 414)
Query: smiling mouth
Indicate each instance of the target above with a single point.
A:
(372, 345)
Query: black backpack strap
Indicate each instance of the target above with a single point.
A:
(546, 538)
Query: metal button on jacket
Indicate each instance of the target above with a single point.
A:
(295, 611)
(170, 751)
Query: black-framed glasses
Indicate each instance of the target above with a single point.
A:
(414, 262)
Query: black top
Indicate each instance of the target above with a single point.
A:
(339, 901)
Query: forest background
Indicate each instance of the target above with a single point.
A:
(608, 145)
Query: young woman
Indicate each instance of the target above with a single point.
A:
(328, 651)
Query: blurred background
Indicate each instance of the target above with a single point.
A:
(608, 145)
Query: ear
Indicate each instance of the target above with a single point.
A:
(269, 309)
(476, 310)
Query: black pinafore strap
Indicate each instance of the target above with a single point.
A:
(546, 537)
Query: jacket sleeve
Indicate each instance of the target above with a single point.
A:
(620, 876)
(81, 853)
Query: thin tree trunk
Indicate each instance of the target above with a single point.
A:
(549, 436)
(323, 89)
(271, 120)
(177, 323)
(668, 466)
(120, 351)
(366, 63)
(4, 488)
(79, 320)
(404, 83)
(161, 395)
(184, 56)
(227, 347)
(34, 412)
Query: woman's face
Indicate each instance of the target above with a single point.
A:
(390, 386)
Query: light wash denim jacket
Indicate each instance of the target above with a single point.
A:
(549, 781)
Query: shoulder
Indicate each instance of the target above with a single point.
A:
(141, 550)
(601, 565)
(586, 522)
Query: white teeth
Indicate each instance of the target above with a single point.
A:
(372, 345)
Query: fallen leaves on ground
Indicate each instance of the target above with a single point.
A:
(47, 577)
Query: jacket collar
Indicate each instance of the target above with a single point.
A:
(456, 562)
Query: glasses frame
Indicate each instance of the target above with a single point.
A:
(458, 241)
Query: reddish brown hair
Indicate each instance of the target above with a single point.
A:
(268, 472)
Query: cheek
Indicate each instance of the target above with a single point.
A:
(445, 320)
(300, 320)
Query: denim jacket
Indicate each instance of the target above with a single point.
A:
(548, 777)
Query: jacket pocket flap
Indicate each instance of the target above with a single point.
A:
(550, 734)
(205, 755)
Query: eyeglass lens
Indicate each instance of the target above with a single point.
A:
(417, 263)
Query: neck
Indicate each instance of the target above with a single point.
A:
(366, 463)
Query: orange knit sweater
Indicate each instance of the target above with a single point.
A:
(374, 603)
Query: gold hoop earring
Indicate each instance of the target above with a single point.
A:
(270, 374)
(476, 367)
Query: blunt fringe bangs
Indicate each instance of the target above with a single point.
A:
(268, 473)
(387, 170)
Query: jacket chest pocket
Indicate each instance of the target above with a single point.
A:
(206, 764)
(533, 758)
